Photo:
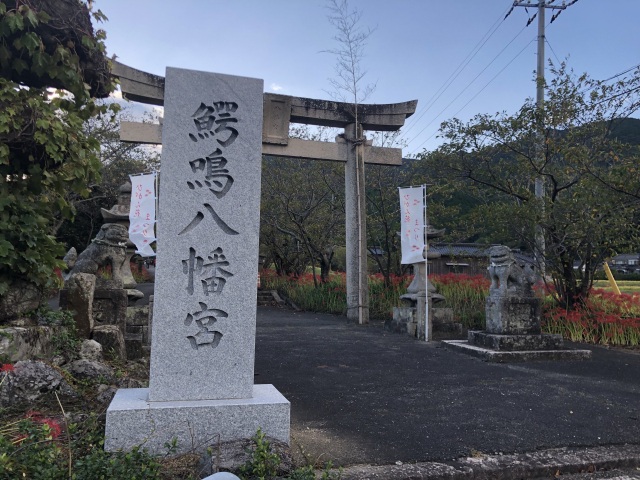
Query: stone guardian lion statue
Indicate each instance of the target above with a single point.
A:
(108, 248)
(507, 276)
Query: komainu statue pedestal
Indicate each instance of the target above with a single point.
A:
(513, 332)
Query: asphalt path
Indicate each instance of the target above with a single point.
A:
(360, 395)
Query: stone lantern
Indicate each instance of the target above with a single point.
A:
(119, 213)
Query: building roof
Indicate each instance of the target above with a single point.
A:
(472, 250)
(460, 249)
(624, 257)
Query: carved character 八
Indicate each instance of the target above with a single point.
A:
(507, 277)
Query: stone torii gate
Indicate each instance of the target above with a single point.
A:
(278, 112)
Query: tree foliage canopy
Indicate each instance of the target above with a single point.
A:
(118, 161)
(586, 214)
(51, 69)
(302, 210)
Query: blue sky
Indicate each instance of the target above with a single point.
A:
(416, 46)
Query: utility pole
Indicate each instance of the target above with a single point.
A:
(541, 6)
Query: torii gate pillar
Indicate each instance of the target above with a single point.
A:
(356, 229)
(279, 111)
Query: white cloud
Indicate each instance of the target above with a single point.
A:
(275, 87)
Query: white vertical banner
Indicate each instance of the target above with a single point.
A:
(412, 223)
(142, 213)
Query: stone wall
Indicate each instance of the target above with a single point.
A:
(105, 310)
(137, 333)
(23, 343)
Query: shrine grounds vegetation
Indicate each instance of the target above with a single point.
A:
(577, 147)
(52, 439)
(603, 318)
(52, 70)
(585, 143)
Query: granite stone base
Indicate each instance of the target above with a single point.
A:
(405, 320)
(402, 318)
(133, 420)
(511, 343)
(110, 307)
(499, 356)
(513, 315)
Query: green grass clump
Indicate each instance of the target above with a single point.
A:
(466, 295)
(603, 318)
(47, 448)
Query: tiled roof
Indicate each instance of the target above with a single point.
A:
(460, 249)
(623, 257)
(471, 250)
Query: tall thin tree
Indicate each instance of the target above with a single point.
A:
(348, 87)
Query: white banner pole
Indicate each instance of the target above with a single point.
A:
(426, 267)
(142, 213)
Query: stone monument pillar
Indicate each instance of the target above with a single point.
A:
(201, 387)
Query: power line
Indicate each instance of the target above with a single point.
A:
(541, 4)
(586, 89)
(470, 83)
(454, 75)
(621, 73)
(551, 48)
(626, 92)
(480, 91)
(457, 71)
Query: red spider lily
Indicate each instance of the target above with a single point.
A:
(14, 432)
(7, 367)
(54, 427)
(603, 317)
(478, 282)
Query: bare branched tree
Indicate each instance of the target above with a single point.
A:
(349, 88)
(351, 38)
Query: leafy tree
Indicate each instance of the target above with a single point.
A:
(302, 211)
(383, 217)
(383, 205)
(118, 161)
(583, 216)
(383, 208)
(52, 67)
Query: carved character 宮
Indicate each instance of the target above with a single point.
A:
(205, 320)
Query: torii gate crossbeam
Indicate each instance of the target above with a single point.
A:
(281, 110)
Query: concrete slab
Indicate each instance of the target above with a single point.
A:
(133, 420)
(515, 342)
(501, 356)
